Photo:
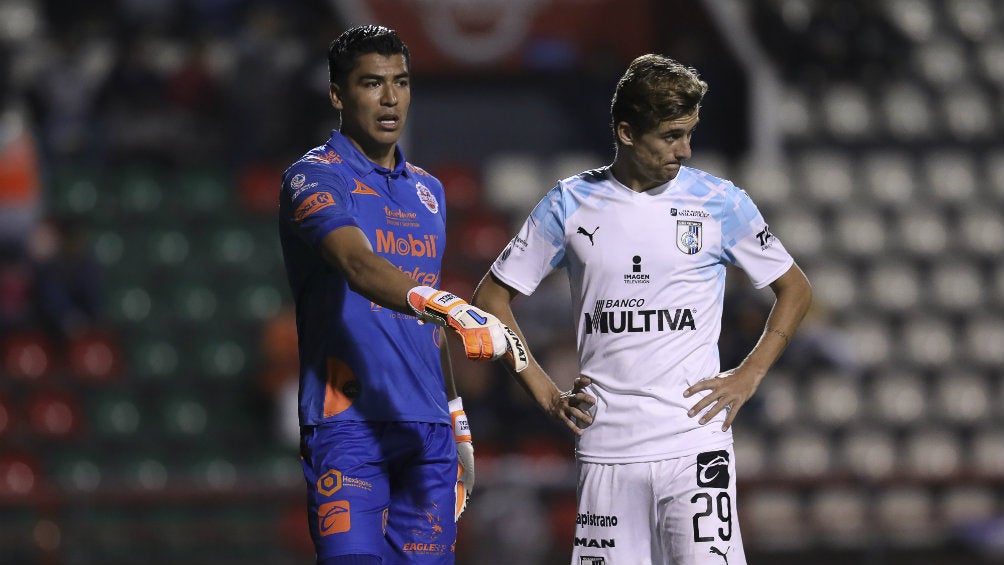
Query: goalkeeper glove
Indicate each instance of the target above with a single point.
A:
(484, 335)
(465, 455)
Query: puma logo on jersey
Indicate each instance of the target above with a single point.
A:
(717, 551)
(583, 231)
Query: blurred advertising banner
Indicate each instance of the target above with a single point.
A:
(511, 35)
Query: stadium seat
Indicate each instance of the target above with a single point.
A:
(28, 356)
(889, 177)
(860, 231)
(782, 405)
(20, 475)
(916, 19)
(116, 415)
(899, 397)
(802, 453)
(515, 182)
(130, 305)
(962, 397)
(804, 235)
(833, 399)
(825, 176)
(751, 452)
(871, 339)
(973, 19)
(140, 192)
(869, 452)
(905, 515)
(982, 231)
(54, 415)
(797, 115)
(153, 357)
(969, 113)
(836, 286)
(167, 247)
(893, 286)
(907, 112)
(964, 504)
(922, 232)
(768, 183)
(982, 338)
(223, 357)
(564, 165)
(194, 303)
(956, 286)
(950, 176)
(202, 193)
(95, 356)
(840, 515)
(76, 471)
(931, 454)
(774, 519)
(8, 415)
(942, 62)
(928, 342)
(257, 302)
(76, 192)
(987, 453)
(462, 183)
(847, 112)
(990, 55)
(993, 172)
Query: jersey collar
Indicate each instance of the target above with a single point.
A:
(359, 162)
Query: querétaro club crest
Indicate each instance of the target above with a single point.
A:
(688, 236)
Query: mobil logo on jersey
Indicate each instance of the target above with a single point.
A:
(688, 236)
(407, 244)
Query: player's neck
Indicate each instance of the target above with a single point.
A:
(629, 176)
(382, 155)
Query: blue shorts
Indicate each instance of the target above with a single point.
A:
(381, 488)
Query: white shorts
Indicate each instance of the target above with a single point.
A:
(673, 512)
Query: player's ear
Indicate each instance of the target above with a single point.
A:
(334, 93)
(624, 133)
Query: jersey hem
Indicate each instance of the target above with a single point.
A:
(710, 446)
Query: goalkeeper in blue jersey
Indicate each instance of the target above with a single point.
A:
(362, 234)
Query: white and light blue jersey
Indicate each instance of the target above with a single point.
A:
(647, 276)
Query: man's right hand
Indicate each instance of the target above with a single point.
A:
(485, 337)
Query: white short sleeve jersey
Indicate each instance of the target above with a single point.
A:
(647, 276)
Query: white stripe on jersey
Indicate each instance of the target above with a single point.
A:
(647, 274)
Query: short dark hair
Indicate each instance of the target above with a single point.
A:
(362, 40)
(654, 89)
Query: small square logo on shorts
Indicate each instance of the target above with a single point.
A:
(592, 561)
(713, 469)
(334, 517)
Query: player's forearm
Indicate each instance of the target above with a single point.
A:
(794, 296)
(379, 280)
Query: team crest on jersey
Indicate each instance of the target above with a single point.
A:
(688, 236)
(427, 197)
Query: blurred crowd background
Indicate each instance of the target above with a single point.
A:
(147, 349)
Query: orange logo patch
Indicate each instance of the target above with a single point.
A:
(363, 189)
(329, 158)
(334, 517)
(329, 482)
(317, 201)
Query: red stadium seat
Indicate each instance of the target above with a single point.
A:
(27, 356)
(53, 415)
(462, 184)
(95, 356)
(20, 475)
(7, 416)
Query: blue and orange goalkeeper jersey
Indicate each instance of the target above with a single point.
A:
(359, 361)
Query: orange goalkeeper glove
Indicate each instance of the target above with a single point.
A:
(484, 335)
(465, 455)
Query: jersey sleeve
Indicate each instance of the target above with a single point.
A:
(537, 249)
(314, 202)
(748, 243)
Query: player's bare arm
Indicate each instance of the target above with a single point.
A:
(572, 406)
(367, 273)
(731, 389)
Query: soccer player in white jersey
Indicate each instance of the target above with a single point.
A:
(645, 243)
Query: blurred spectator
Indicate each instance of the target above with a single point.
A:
(20, 183)
(280, 376)
(66, 281)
